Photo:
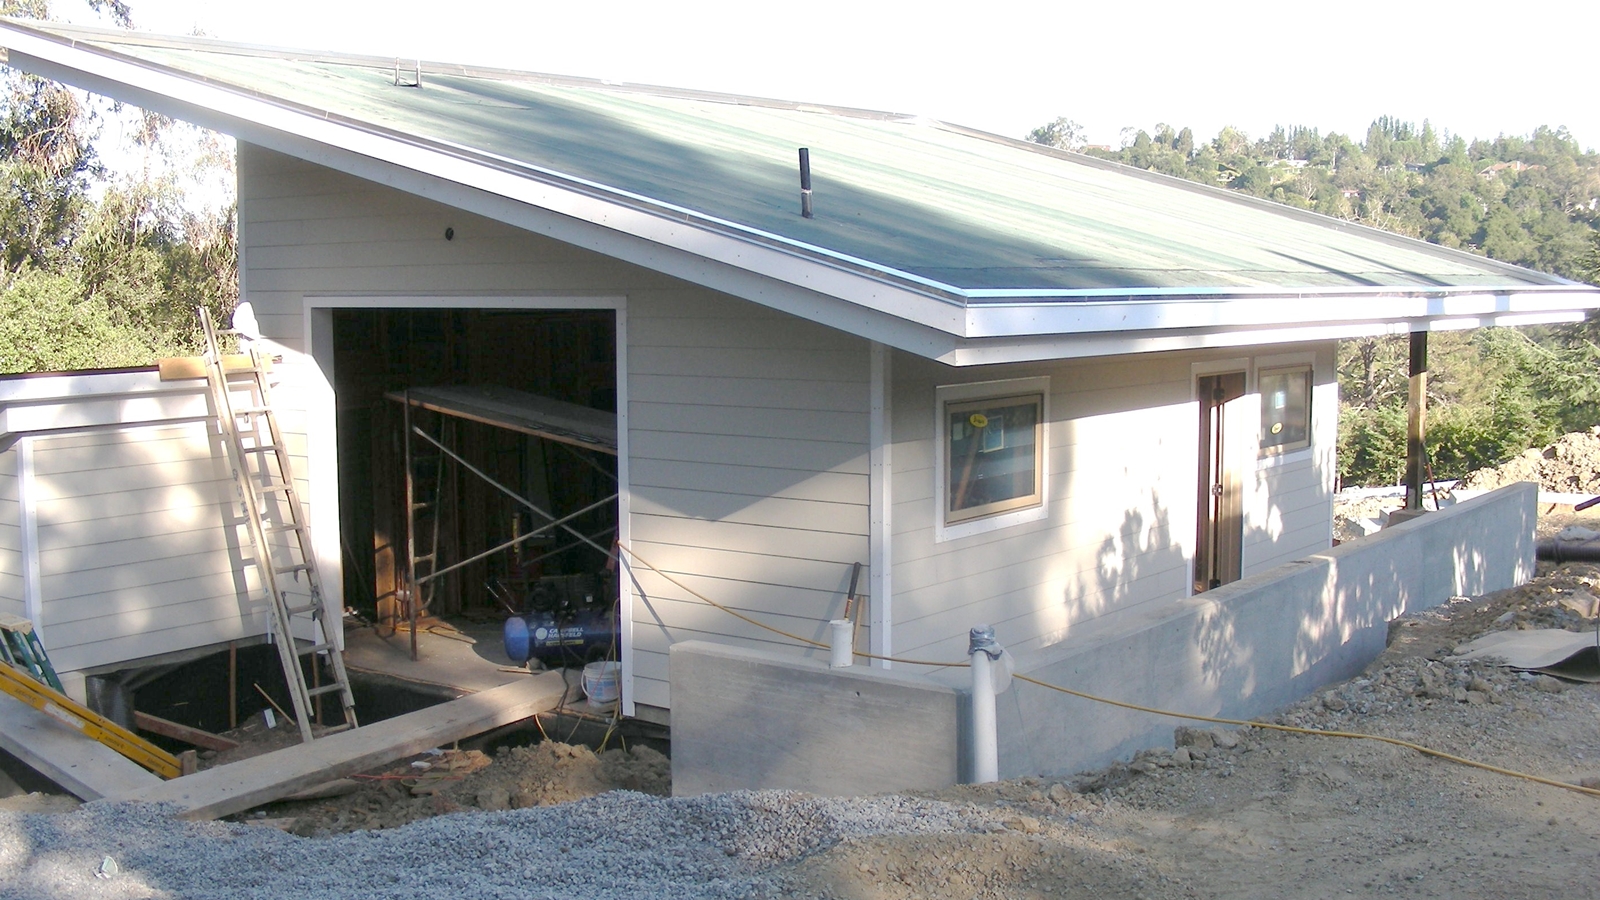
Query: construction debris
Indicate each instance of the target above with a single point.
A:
(1571, 465)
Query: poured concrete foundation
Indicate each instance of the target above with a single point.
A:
(748, 719)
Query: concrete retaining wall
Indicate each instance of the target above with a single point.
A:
(1247, 648)
(761, 719)
(747, 719)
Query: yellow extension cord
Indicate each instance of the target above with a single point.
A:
(1269, 726)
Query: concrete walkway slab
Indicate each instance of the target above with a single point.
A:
(239, 786)
(82, 765)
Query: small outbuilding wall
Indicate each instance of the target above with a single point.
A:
(116, 493)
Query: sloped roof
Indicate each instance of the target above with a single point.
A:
(965, 233)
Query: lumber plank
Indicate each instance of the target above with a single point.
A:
(180, 732)
(239, 786)
(184, 368)
(84, 767)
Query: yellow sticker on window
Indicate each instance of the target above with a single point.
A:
(1277, 427)
(978, 420)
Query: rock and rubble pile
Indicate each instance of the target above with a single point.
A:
(1571, 465)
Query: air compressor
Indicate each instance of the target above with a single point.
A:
(567, 620)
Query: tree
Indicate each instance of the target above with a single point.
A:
(1062, 134)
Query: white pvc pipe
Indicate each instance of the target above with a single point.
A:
(841, 645)
(985, 740)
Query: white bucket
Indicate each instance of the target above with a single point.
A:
(602, 683)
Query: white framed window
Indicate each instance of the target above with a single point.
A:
(1285, 408)
(990, 450)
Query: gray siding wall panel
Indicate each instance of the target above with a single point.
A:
(747, 428)
(1120, 529)
(137, 554)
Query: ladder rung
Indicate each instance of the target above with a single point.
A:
(302, 610)
(325, 689)
(297, 567)
(240, 411)
(346, 726)
(316, 648)
(275, 488)
(263, 448)
(280, 529)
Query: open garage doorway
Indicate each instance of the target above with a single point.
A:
(478, 381)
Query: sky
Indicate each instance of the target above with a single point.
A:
(1475, 69)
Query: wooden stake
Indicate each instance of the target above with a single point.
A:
(1416, 419)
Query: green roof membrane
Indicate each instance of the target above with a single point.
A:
(968, 211)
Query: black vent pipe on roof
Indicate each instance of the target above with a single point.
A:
(805, 182)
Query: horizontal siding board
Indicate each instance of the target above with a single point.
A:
(666, 614)
(509, 277)
(192, 472)
(816, 455)
(751, 480)
(199, 599)
(773, 512)
(389, 249)
(135, 537)
(769, 331)
(169, 637)
(755, 393)
(791, 542)
(64, 587)
(738, 566)
(159, 451)
(183, 500)
(782, 606)
(10, 537)
(804, 366)
(746, 421)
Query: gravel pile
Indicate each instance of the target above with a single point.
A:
(616, 845)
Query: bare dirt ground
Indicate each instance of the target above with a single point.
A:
(1255, 813)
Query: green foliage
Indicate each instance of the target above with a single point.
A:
(46, 325)
(96, 272)
(1530, 200)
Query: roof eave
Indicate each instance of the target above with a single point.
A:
(920, 316)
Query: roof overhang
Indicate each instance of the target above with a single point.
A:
(938, 321)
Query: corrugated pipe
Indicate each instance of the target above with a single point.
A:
(1559, 551)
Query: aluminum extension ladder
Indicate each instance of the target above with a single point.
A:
(265, 484)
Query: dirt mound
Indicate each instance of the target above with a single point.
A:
(453, 780)
(1569, 466)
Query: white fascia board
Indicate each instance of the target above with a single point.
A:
(770, 275)
(1047, 347)
(1290, 309)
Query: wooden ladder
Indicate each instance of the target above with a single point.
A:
(265, 484)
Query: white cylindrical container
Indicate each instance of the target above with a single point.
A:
(841, 636)
(602, 683)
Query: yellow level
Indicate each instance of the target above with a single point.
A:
(75, 715)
